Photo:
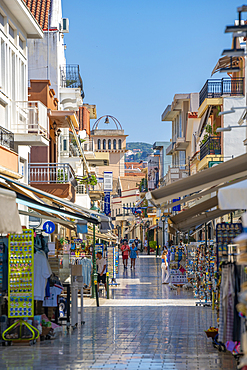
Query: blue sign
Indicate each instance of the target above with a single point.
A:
(107, 203)
(49, 227)
(176, 208)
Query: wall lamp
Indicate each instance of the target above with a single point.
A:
(232, 110)
(228, 128)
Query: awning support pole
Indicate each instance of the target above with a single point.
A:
(206, 239)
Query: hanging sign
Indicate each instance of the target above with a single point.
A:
(20, 274)
(107, 203)
(178, 207)
(49, 227)
(108, 181)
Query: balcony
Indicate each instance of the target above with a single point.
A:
(30, 126)
(6, 138)
(169, 149)
(215, 88)
(55, 178)
(68, 146)
(8, 156)
(211, 147)
(70, 77)
(176, 173)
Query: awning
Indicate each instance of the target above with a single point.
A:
(196, 210)
(106, 237)
(233, 196)
(69, 224)
(40, 200)
(190, 223)
(226, 62)
(9, 220)
(204, 120)
(227, 171)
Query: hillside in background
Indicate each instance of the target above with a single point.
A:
(138, 151)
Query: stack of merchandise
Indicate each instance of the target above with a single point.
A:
(177, 266)
(204, 269)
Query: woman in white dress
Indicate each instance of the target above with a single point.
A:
(164, 267)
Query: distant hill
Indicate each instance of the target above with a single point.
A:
(140, 151)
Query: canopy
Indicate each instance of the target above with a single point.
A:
(227, 171)
(226, 62)
(204, 120)
(233, 196)
(9, 219)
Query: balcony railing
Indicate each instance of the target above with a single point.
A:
(6, 138)
(51, 173)
(211, 147)
(215, 88)
(68, 146)
(31, 118)
(70, 77)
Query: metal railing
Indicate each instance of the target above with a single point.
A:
(51, 173)
(70, 77)
(215, 88)
(88, 145)
(69, 148)
(211, 147)
(30, 118)
(6, 138)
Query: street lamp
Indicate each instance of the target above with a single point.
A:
(157, 241)
(163, 219)
(147, 224)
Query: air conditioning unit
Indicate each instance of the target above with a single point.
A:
(65, 25)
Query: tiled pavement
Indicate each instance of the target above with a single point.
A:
(143, 326)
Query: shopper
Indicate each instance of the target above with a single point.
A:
(125, 253)
(136, 242)
(133, 255)
(164, 267)
(101, 269)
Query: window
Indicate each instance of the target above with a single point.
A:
(114, 144)
(104, 144)
(1, 19)
(64, 145)
(99, 144)
(127, 208)
(11, 31)
(124, 209)
(109, 144)
(119, 144)
(21, 43)
(3, 59)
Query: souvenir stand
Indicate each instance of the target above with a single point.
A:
(177, 266)
(112, 264)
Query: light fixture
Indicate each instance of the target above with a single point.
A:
(59, 132)
(233, 52)
(228, 128)
(226, 112)
(230, 70)
(54, 126)
(107, 120)
(237, 28)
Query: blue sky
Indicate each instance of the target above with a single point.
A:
(134, 55)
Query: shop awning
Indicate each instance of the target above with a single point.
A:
(226, 62)
(69, 224)
(9, 219)
(106, 237)
(233, 196)
(40, 200)
(194, 211)
(224, 172)
(190, 223)
(204, 120)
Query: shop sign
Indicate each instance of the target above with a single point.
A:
(213, 163)
(49, 227)
(176, 208)
(108, 181)
(107, 203)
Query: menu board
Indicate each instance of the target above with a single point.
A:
(225, 233)
(20, 274)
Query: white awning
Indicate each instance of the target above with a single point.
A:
(9, 220)
(233, 196)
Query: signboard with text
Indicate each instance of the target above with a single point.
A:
(108, 181)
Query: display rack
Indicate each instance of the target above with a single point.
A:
(177, 266)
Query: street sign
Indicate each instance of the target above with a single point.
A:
(107, 203)
(49, 227)
(176, 208)
(108, 181)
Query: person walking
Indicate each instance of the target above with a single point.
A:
(125, 253)
(136, 241)
(164, 267)
(146, 244)
(101, 269)
(133, 255)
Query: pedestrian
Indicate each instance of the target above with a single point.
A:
(101, 269)
(164, 267)
(133, 255)
(125, 253)
(146, 244)
(136, 242)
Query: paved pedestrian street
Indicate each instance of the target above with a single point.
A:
(144, 325)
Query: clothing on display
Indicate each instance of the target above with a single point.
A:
(42, 271)
(52, 300)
